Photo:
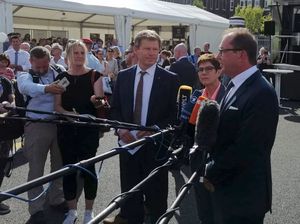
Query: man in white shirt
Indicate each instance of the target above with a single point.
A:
(92, 61)
(144, 94)
(19, 59)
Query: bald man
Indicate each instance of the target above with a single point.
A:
(183, 67)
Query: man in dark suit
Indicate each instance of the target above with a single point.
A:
(183, 67)
(158, 99)
(240, 172)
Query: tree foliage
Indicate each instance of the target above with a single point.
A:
(198, 3)
(254, 17)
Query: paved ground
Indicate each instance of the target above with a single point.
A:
(286, 180)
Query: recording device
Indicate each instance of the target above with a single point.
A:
(64, 82)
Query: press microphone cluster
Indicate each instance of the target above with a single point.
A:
(205, 138)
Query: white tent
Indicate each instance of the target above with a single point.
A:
(121, 14)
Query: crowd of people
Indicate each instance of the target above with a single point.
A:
(142, 89)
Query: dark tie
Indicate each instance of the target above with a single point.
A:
(137, 114)
(16, 57)
(228, 88)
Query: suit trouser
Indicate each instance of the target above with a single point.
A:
(5, 147)
(133, 169)
(41, 138)
(203, 197)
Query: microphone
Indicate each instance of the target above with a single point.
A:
(189, 106)
(206, 133)
(183, 97)
(207, 125)
(197, 106)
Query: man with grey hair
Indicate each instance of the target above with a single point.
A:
(40, 138)
(56, 51)
(183, 67)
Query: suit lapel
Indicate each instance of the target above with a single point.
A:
(130, 87)
(154, 93)
(240, 90)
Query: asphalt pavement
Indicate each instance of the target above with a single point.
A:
(285, 171)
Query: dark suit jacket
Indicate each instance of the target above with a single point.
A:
(241, 171)
(186, 72)
(162, 107)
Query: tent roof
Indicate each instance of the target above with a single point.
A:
(146, 12)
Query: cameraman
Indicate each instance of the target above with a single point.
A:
(41, 138)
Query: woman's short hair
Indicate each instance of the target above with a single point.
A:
(4, 57)
(209, 58)
(71, 48)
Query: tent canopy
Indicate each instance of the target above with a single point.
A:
(126, 12)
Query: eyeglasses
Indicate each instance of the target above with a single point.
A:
(221, 51)
(206, 69)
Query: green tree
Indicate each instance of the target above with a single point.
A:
(198, 3)
(254, 17)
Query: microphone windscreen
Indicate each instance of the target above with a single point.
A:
(188, 107)
(184, 90)
(194, 114)
(207, 125)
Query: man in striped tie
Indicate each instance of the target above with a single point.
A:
(144, 94)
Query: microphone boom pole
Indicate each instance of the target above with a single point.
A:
(86, 118)
(67, 170)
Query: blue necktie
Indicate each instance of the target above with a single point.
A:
(16, 57)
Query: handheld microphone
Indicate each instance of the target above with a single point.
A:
(183, 97)
(206, 133)
(207, 125)
(197, 106)
(189, 106)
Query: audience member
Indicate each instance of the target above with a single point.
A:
(41, 138)
(19, 59)
(79, 143)
(185, 69)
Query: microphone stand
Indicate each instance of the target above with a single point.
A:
(87, 118)
(68, 170)
(120, 199)
(165, 218)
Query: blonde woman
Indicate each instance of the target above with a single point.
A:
(78, 143)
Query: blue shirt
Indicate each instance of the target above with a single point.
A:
(40, 100)
(93, 62)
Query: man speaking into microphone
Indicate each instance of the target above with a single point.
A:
(144, 94)
(240, 172)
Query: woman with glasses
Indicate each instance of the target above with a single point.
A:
(209, 74)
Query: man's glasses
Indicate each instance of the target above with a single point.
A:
(221, 51)
(206, 69)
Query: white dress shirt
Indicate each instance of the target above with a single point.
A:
(147, 86)
(239, 80)
(23, 58)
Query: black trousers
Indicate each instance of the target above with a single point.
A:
(78, 144)
(133, 169)
(5, 147)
